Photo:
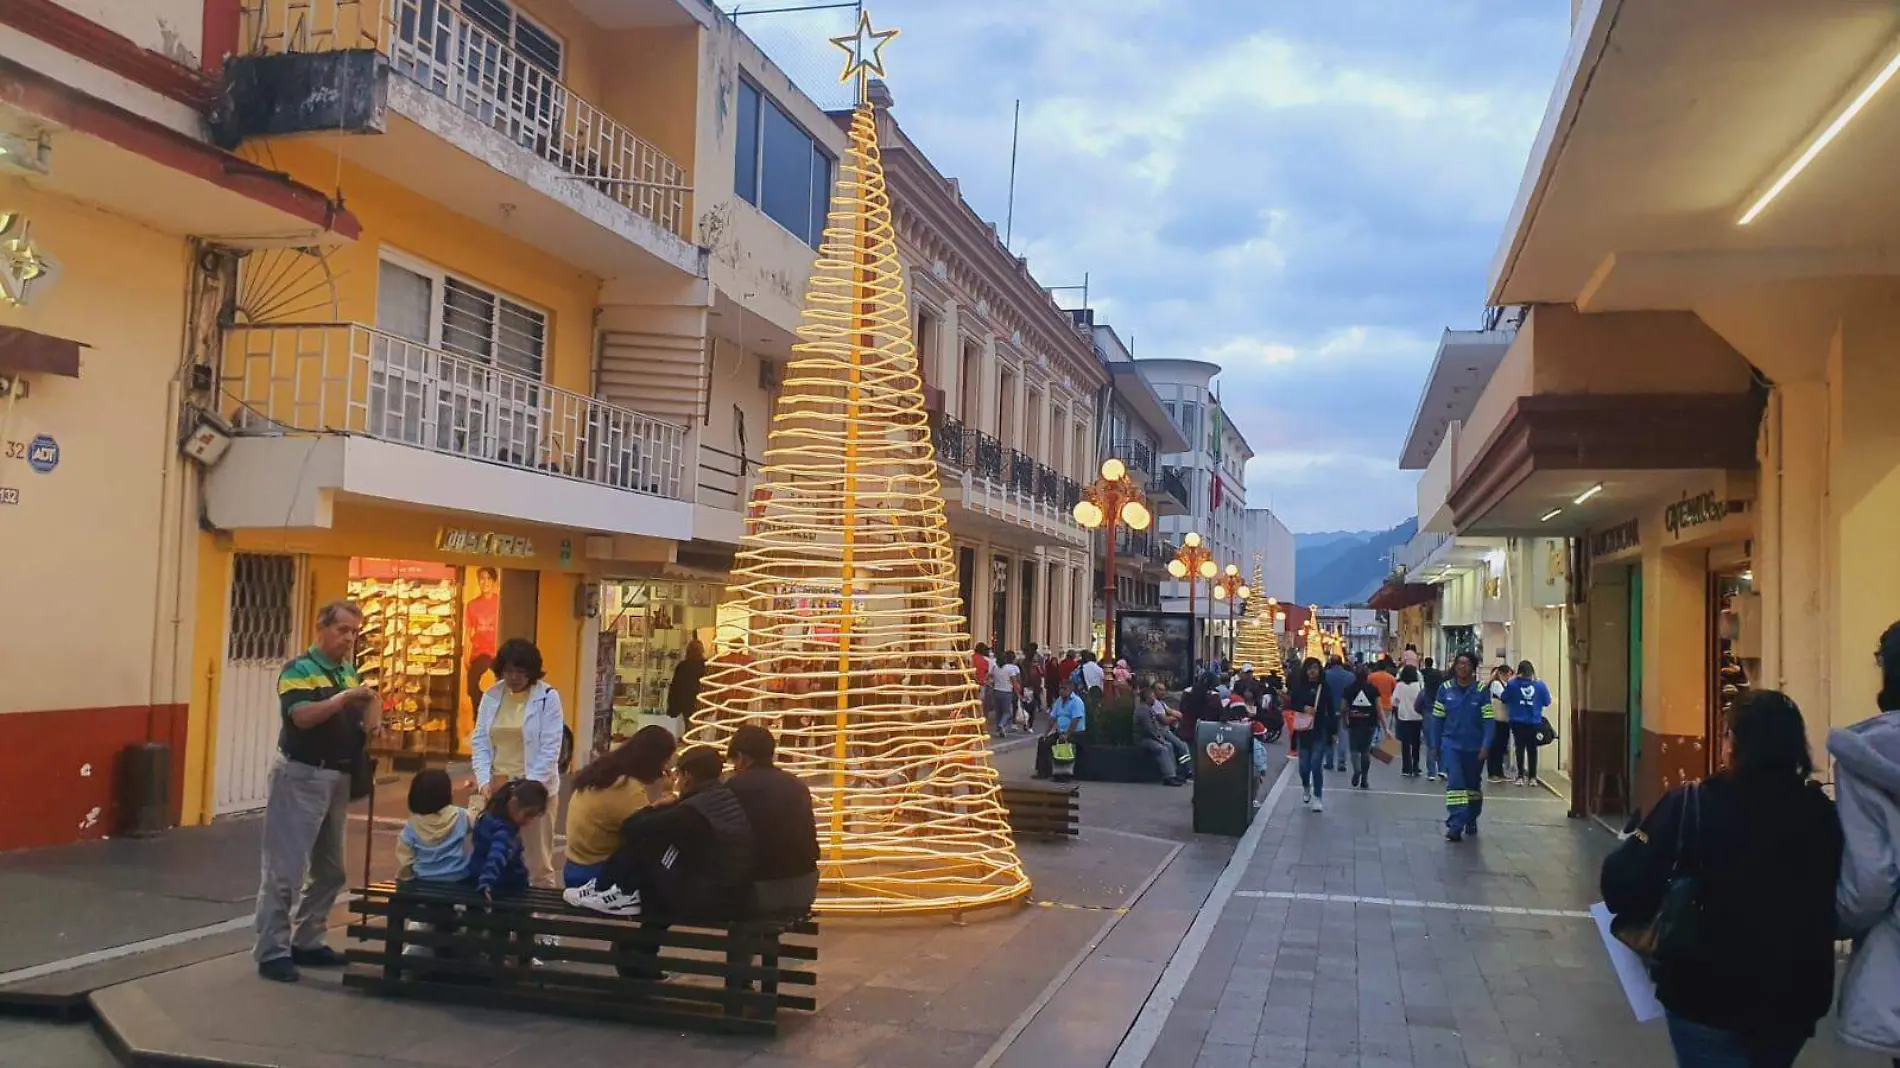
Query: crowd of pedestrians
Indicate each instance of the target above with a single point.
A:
(1736, 888)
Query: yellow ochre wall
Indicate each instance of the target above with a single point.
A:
(364, 530)
(398, 218)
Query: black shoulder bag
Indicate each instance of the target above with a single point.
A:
(1674, 930)
(363, 768)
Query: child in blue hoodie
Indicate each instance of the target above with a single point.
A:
(496, 867)
(434, 844)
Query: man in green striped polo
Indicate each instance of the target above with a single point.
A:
(327, 716)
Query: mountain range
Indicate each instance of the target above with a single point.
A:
(1341, 567)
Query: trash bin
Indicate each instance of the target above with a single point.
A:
(1223, 777)
(145, 789)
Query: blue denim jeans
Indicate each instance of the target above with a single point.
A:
(1434, 735)
(1313, 755)
(1700, 1046)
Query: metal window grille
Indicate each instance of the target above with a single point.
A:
(263, 591)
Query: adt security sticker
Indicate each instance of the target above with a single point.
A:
(42, 454)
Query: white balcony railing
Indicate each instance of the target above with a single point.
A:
(351, 379)
(434, 45)
(1413, 554)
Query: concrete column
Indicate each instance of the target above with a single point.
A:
(1864, 499)
(980, 594)
(1039, 602)
(1676, 670)
(987, 393)
(1791, 554)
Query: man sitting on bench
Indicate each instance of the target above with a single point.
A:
(688, 860)
(778, 805)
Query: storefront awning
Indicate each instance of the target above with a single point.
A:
(29, 350)
(1392, 597)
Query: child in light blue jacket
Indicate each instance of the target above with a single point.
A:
(434, 844)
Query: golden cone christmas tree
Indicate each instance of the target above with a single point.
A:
(856, 655)
(1258, 643)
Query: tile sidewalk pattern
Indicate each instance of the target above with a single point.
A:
(1290, 981)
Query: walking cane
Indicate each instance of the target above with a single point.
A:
(369, 826)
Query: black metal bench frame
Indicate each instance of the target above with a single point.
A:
(491, 948)
(1049, 810)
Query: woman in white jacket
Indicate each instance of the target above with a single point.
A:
(518, 732)
(1867, 902)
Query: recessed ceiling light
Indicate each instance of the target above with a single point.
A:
(1589, 493)
(1550, 515)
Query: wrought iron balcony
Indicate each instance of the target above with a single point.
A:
(1022, 473)
(1048, 485)
(347, 378)
(950, 438)
(460, 59)
(1174, 484)
(1071, 494)
(989, 456)
(1136, 455)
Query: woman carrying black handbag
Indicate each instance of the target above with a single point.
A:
(1733, 879)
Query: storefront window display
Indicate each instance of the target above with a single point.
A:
(410, 651)
(646, 625)
(430, 634)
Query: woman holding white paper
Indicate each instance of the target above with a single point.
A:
(1762, 845)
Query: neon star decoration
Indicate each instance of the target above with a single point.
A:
(21, 261)
(865, 46)
(854, 652)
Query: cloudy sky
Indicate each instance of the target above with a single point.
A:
(1304, 192)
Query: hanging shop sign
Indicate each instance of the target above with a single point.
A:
(484, 543)
(1616, 540)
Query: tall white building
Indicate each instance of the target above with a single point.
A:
(1213, 473)
(1264, 538)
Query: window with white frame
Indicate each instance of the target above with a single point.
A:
(779, 168)
(429, 305)
(454, 406)
(533, 43)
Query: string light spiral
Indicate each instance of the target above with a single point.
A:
(1258, 643)
(856, 655)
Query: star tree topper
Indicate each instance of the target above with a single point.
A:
(865, 46)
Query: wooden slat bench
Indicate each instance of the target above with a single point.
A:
(1041, 808)
(644, 969)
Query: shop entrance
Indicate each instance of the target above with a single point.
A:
(430, 634)
(646, 627)
(1734, 650)
(263, 629)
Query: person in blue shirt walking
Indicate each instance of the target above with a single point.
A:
(1525, 698)
(1463, 710)
(1338, 677)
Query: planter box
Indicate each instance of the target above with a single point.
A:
(1114, 763)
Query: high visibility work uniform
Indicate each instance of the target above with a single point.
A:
(1468, 727)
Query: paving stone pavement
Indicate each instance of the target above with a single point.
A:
(1055, 983)
(1302, 970)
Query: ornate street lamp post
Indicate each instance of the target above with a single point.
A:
(1110, 501)
(1192, 562)
(1230, 587)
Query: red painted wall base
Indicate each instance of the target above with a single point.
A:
(61, 768)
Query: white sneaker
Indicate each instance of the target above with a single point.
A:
(1318, 806)
(1307, 800)
(613, 901)
(1519, 781)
